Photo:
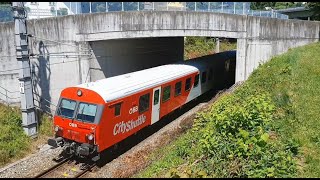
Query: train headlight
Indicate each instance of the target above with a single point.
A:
(79, 92)
(90, 137)
(56, 128)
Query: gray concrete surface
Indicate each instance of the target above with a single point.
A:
(117, 42)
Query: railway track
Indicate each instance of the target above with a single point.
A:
(67, 168)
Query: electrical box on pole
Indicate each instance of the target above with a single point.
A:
(29, 119)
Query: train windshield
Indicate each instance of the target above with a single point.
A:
(86, 112)
(67, 108)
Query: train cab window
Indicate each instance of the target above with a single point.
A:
(204, 77)
(166, 93)
(210, 74)
(86, 112)
(196, 80)
(177, 89)
(188, 84)
(144, 103)
(66, 108)
(117, 109)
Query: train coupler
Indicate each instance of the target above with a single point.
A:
(55, 142)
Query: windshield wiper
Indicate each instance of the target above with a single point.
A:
(82, 114)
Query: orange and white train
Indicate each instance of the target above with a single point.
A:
(94, 116)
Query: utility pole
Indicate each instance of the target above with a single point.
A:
(29, 122)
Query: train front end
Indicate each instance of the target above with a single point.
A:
(76, 123)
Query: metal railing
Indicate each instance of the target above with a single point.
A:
(241, 8)
(48, 109)
(6, 96)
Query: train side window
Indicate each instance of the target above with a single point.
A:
(166, 93)
(210, 74)
(117, 109)
(144, 103)
(177, 89)
(188, 84)
(204, 77)
(196, 80)
(156, 97)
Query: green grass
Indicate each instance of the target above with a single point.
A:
(290, 131)
(14, 143)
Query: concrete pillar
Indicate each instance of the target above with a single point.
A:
(217, 45)
(84, 63)
(241, 60)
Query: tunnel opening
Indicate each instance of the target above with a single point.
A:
(213, 48)
(121, 56)
(196, 46)
(116, 57)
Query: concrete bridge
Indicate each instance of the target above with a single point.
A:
(302, 13)
(74, 49)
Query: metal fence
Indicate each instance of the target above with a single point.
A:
(241, 8)
(9, 97)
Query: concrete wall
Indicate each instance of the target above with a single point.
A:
(268, 37)
(8, 64)
(79, 44)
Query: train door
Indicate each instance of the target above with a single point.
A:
(156, 105)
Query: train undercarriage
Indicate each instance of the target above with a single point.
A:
(72, 148)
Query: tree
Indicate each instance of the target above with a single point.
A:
(261, 5)
(274, 5)
(315, 7)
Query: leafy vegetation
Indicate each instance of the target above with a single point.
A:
(14, 143)
(201, 46)
(269, 127)
(315, 7)
(12, 138)
(274, 5)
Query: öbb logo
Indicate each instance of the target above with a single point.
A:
(133, 110)
(73, 125)
(123, 127)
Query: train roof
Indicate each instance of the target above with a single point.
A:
(122, 85)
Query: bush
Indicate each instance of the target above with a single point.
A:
(236, 132)
(13, 139)
(14, 142)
